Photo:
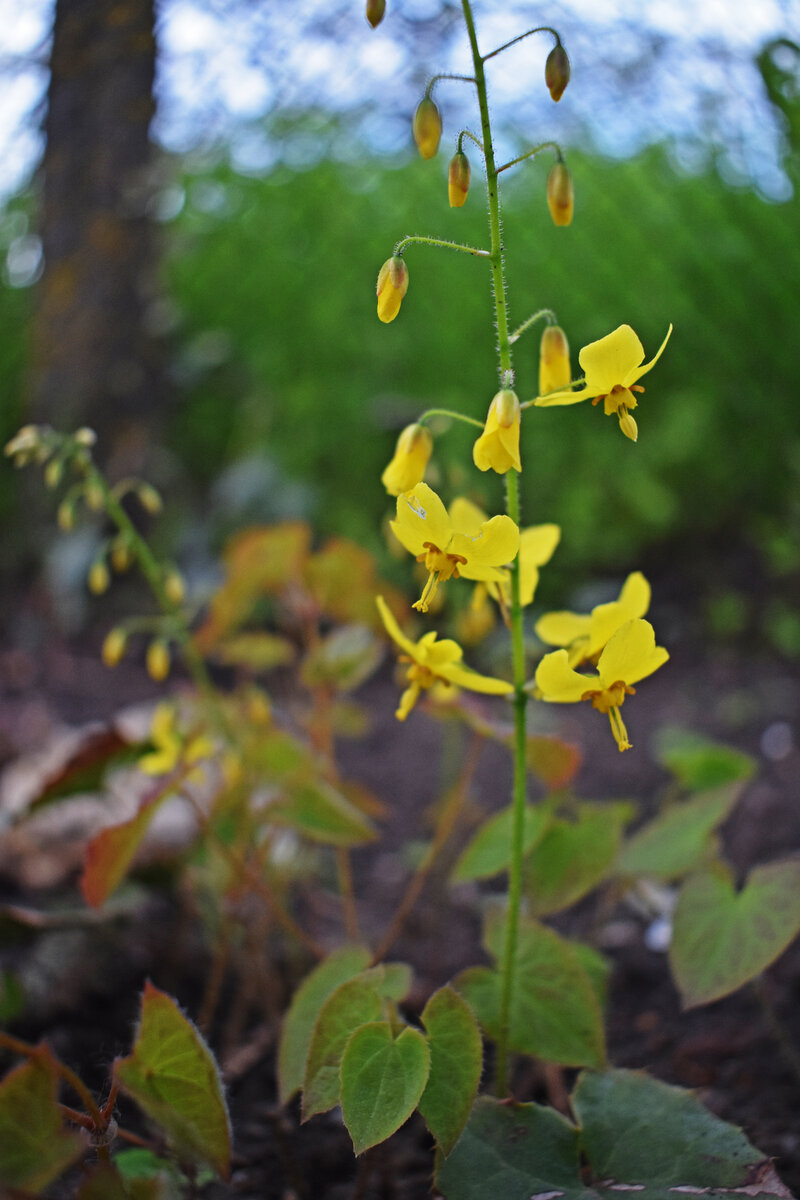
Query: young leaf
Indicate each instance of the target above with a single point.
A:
(34, 1145)
(555, 1010)
(573, 857)
(103, 1182)
(357, 1002)
(383, 1078)
(84, 770)
(110, 852)
(171, 1074)
(551, 760)
(698, 763)
(489, 851)
(638, 1130)
(722, 939)
(456, 1052)
(512, 1152)
(319, 812)
(669, 846)
(298, 1024)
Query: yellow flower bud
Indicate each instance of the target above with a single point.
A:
(53, 473)
(560, 194)
(375, 11)
(114, 647)
(86, 437)
(498, 446)
(157, 660)
(427, 127)
(411, 457)
(121, 557)
(629, 427)
(458, 179)
(392, 287)
(99, 578)
(557, 71)
(259, 710)
(554, 369)
(149, 498)
(66, 516)
(174, 587)
(93, 495)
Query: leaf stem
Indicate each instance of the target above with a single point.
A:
(431, 241)
(521, 37)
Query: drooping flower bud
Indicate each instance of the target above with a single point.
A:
(114, 647)
(629, 427)
(174, 587)
(458, 179)
(411, 457)
(121, 554)
(498, 446)
(149, 498)
(557, 71)
(99, 578)
(427, 127)
(554, 369)
(560, 194)
(157, 660)
(53, 473)
(392, 287)
(375, 11)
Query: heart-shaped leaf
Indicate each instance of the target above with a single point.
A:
(456, 1050)
(489, 851)
(110, 852)
(299, 1022)
(34, 1145)
(318, 811)
(669, 846)
(172, 1075)
(574, 856)
(722, 939)
(383, 1078)
(698, 763)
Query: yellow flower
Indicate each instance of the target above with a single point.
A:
(536, 546)
(584, 635)
(554, 369)
(434, 663)
(411, 456)
(425, 529)
(611, 367)
(560, 194)
(427, 127)
(392, 287)
(170, 747)
(631, 655)
(475, 621)
(498, 445)
(114, 647)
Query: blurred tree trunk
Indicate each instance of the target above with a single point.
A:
(94, 361)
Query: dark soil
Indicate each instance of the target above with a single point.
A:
(84, 980)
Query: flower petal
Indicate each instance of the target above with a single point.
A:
(565, 397)
(464, 677)
(633, 602)
(495, 544)
(393, 629)
(421, 517)
(640, 371)
(631, 655)
(559, 683)
(537, 543)
(611, 360)
(466, 517)
(563, 628)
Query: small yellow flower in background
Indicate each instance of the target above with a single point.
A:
(411, 457)
(434, 663)
(560, 194)
(498, 446)
(557, 71)
(171, 749)
(554, 369)
(114, 647)
(458, 176)
(537, 544)
(427, 127)
(611, 367)
(631, 655)
(478, 619)
(174, 587)
(392, 287)
(425, 529)
(157, 660)
(583, 636)
(98, 578)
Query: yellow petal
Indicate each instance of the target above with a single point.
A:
(611, 360)
(393, 629)
(640, 371)
(565, 397)
(606, 619)
(537, 543)
(464, 677)
(631, 654)
(558, 683)
(413, 450)
(421, 517)
(466, 517)
(563, 628)
(495, 544)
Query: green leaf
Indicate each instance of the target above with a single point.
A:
(722, 939)
(637, 1130)
(456, 1050)
(342, 659)
(172, 1076)
(489, 851)
(555, 1011)
(673, 843)
(103, 1182)
(512, 1152)
(698, 763)
(110, 852)
(573, 857)
(319, 812)
(34, 1145)
(298, 1024)
(256, 651)
(358, 1001)
(383, 1078)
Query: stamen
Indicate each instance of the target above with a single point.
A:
(618, 729)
